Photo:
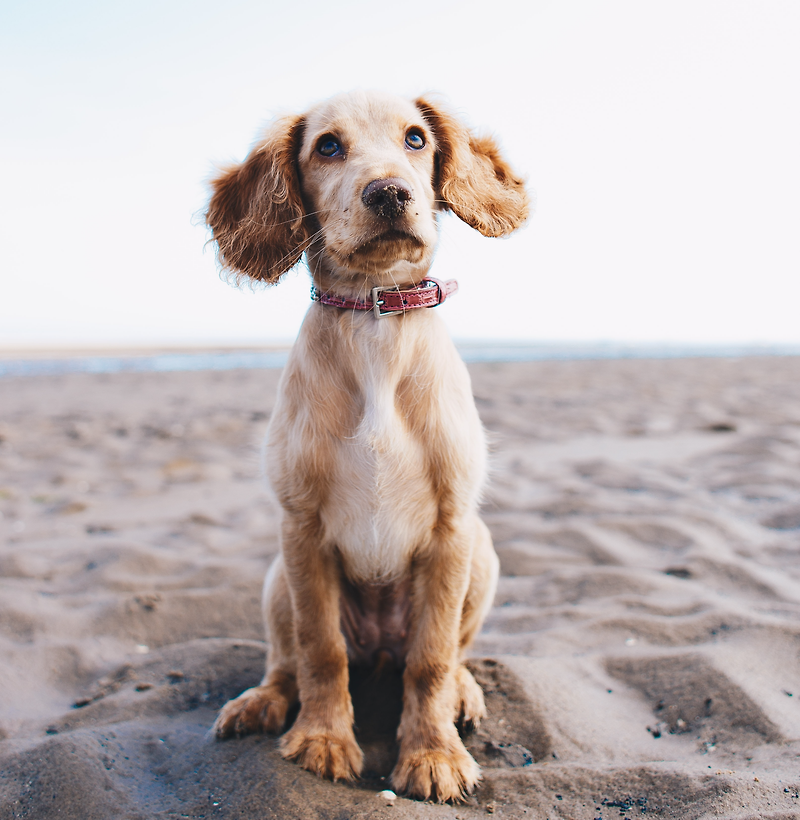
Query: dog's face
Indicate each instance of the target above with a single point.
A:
(356, 184)
(366, 166)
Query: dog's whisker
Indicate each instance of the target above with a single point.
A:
(302, 247)
(461, 207)
(296, 219)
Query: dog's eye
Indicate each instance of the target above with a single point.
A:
(415, 140)
(329, 146)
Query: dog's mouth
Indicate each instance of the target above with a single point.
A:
(388, 238)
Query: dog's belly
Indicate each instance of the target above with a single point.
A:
(375, 621)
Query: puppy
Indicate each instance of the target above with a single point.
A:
(375, 449)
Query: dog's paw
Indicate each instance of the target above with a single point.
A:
(471, 707)
(325, 753)
(442, 775)
(260, 709)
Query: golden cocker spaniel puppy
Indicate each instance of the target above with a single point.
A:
(375, 449)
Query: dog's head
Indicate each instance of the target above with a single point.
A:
(357, 183)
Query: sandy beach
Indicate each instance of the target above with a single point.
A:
(642, 658)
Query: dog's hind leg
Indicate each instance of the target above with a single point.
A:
(470, 706)
(263, 708)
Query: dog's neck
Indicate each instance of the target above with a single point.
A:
(349, 283)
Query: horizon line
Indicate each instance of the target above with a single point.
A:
(173, 358)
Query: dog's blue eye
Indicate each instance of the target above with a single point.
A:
(329, 147)
(415, 140)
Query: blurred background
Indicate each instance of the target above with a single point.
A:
(660, 140)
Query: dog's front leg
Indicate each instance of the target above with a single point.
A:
(322, 738)
(433, 761)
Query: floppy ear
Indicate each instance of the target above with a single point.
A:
(256, 211)
(472, 178)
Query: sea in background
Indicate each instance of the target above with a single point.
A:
(57, 363)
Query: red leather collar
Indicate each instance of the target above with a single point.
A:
(391, 301)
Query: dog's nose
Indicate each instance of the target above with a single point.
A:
(387, 197)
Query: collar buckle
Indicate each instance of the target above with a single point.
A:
(377, 303)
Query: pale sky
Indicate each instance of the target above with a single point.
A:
(661, 140)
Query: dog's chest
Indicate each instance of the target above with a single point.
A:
(380, 505)
(374, 426)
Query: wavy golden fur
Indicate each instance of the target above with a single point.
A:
(375, 449)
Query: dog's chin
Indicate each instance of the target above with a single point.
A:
(390, 247)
